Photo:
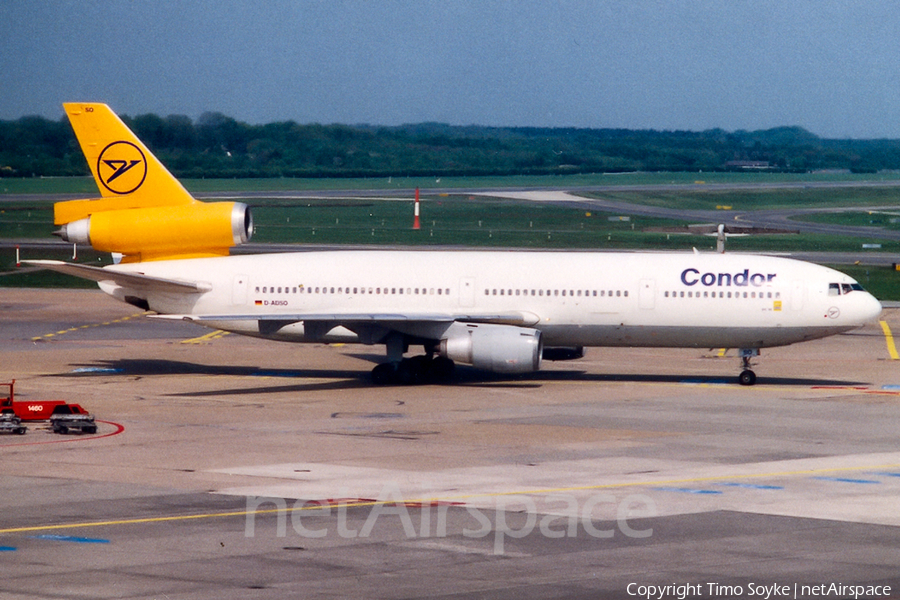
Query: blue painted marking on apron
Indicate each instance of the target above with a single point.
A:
(69, 538)
(687, 490)
(847, 480)
(753, 486)
(705, 381)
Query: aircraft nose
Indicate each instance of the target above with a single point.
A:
(871, 308)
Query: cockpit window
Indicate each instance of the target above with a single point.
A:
(837, 289)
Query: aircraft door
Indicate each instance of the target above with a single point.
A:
(467, 291)
(798, 291)
(239, 290)
(647, 294)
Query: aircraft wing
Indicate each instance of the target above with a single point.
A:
(130, 280)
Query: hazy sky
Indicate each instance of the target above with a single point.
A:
(832, 67)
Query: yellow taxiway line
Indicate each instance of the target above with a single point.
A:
(209, 337)
(47, 336)
(889, 339)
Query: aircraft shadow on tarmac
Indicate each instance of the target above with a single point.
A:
(355, 379)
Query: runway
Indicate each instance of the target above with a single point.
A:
(252, 469)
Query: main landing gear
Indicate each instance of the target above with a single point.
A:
(416, 370)
(747, 376)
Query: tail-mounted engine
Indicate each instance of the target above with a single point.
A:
(183, 231)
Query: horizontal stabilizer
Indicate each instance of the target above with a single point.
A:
(134, 281)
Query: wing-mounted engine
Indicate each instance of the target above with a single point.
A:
(497, 348)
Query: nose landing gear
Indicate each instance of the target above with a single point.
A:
(747, 376)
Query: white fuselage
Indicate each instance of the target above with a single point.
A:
(573, 298)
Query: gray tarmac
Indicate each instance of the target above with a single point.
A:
(228, 467)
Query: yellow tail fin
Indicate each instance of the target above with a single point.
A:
(145, 213)
(127, 173)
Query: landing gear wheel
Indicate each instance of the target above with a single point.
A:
(747, 376)
(384, 374)
(441, 369)
(406, 373)
(416, 370)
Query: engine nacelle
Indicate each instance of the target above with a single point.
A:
(189, 230)
(496, 348)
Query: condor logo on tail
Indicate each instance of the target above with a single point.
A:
(122, 167)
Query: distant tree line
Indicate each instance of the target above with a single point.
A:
(218, 146)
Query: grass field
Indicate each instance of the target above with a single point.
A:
(764, 199)
(887, 219)
(882, 282)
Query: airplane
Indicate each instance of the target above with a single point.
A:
(501, 311)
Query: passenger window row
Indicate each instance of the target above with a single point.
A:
(359, 290)
(281, 290)
(557, 292)
(721, 294)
